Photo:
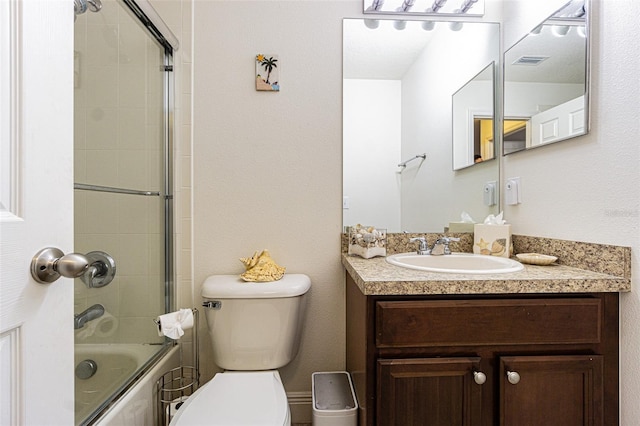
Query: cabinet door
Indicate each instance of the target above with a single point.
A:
(430, 391)
(551, 390)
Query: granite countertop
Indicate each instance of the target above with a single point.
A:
(377, 277)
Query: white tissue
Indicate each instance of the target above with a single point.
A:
(173, 324)
(494, 220)
(466, 218)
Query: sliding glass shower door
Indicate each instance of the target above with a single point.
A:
(122, 198)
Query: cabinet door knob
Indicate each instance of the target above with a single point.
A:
(479, 377)
(513, 377)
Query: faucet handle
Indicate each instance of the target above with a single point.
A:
(423, 248)
(447, 240)
(444, 241)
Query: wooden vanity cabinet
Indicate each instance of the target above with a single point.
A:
(513, 360)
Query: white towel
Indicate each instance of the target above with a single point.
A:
(173, 324)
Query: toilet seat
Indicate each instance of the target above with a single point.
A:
(255, 398)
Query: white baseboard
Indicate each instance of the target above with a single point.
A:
(300, 406)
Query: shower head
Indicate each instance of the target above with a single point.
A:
(81, 6)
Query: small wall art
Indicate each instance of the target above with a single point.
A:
(267, 75)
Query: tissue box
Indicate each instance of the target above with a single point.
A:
(460, 227)
(494, 240)
(367, 241)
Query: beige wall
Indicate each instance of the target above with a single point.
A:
(267, 166)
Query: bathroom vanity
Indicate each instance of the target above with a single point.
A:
(534, 347)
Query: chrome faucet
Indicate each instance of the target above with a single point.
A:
(91, 313)
(423, 248)
(441, 246)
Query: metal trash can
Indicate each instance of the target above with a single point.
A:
(334, 400)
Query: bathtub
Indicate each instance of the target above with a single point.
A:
(116, 364)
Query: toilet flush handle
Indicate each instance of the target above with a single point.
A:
(212, 304)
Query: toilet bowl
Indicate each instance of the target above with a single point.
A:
(255, 329)
(255, 398)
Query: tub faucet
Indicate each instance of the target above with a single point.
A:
(442, 246)
(91, 313)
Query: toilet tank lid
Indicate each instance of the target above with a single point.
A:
(233, 287)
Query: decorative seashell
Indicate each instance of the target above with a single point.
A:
(261, 268)
(536, 258)
(498, 247)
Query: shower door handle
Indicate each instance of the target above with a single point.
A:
(95, 269)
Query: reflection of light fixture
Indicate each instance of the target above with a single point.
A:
(536, 30)
(428, 25)
(560, 30)
(375, 6)
(372, 23)
(400, 25)
(455, 26)
(582, 31)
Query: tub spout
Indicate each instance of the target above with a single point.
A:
(91, 313)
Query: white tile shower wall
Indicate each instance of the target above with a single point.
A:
(118, 126)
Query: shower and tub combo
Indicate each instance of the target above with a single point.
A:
(123, 105)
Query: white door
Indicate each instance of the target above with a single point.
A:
(36, 170)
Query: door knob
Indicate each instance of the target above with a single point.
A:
(513, 377)
(95, 269)
(479, 377)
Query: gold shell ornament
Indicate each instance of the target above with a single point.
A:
(261, 268)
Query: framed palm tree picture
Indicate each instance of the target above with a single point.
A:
(267, 75)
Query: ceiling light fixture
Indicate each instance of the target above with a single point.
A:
(435, 7)
(466, 5)
(375, 6)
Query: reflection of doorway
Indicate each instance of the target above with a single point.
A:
(515, 135)
(483, 148)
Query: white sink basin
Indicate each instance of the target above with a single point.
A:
(456, 263)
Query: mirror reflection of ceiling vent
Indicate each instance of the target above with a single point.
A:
(529, 60)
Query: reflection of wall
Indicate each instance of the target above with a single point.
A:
(372, 127)
(473, 100)
(527, 99)
(435, 195)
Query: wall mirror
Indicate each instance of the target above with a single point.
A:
(473, 124)
(398, 91)
(546, 82)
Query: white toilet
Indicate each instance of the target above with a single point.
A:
(255, 329)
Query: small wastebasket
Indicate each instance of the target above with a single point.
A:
(334, 401)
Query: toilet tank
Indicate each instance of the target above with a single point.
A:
(254, 326)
